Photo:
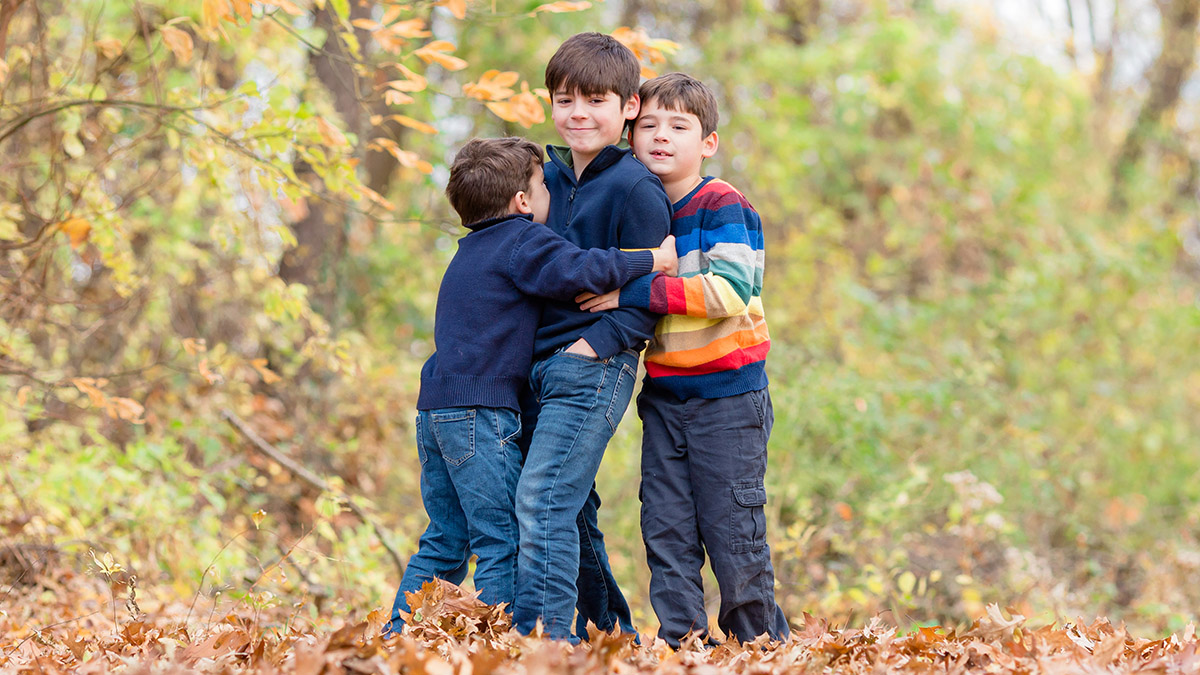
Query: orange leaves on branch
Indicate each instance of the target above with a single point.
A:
(268, 376)
(457, 7)
(212, 12)
(495, 88)
(645, 48)
(412, 82)
(195, 346)
(331, 135)
(396, 97)
(395, 92)
(284, 5)
(415, 124)
(379, 199)
(179, 42)
(393, 36)
(492, 86)
(524, 108)
(561, 7)
(407, 158)
(117, 407)
(110, 48)
(435, 52)
(77, 230)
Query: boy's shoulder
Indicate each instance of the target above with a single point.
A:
(714, 194)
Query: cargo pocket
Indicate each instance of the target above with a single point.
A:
(455, 434)
(748, 522)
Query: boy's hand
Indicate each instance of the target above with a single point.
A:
(590, 302)
(582, 348)
(665, 258)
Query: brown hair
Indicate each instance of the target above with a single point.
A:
(594, 64)
(683, 93)
(487, 172)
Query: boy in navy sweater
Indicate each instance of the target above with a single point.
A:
(585, 364)
(487, 311)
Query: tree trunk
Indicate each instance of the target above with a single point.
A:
(1167, 75)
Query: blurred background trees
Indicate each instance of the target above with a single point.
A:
(982, 286)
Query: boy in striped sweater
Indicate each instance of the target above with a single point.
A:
(705, 408)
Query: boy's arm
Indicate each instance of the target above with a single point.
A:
(546, 265)
(731, 239)
(645, 222)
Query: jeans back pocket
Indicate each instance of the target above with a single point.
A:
(455, 434)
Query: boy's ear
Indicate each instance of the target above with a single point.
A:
(708, 146)
(632, 107)
(519, 203)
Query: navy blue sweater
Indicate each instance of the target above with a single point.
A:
(617, 202)
(490, 300)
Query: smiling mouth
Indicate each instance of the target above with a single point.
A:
(660, 154)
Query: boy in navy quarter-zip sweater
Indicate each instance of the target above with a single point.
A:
(487, 312)
(584, 364)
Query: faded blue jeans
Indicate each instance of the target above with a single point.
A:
(581, 402)
(470, 462)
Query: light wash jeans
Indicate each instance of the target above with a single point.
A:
(581, 403)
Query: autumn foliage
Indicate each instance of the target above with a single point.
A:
(221, 234)
(452, 632)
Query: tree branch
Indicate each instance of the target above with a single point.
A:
(308, 477)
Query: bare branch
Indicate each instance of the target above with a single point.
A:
(309, 478)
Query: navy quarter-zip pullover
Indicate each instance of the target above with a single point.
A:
(616, 202)
(489, 302)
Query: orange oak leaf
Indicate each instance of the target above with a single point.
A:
(492, 86)
(561, 7)
(457, 7)
(179, 42)
(77, 230)
(435, 52)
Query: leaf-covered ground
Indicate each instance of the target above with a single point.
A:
(73, 623)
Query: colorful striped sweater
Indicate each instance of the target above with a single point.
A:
(713, 341)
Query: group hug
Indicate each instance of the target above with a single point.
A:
(573, 263)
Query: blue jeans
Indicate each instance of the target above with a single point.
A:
(470, 462)
(581, 403)
(703, 468)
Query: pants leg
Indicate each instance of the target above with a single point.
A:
(600, 599)
(581, 400)
(486, 483)
(444, 548)
(727, 441)
(670, 530)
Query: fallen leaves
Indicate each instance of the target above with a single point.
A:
(451, 631)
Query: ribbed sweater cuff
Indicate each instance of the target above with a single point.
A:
(640, 263)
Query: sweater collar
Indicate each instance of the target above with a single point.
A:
(608, 155)
(488, 222)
